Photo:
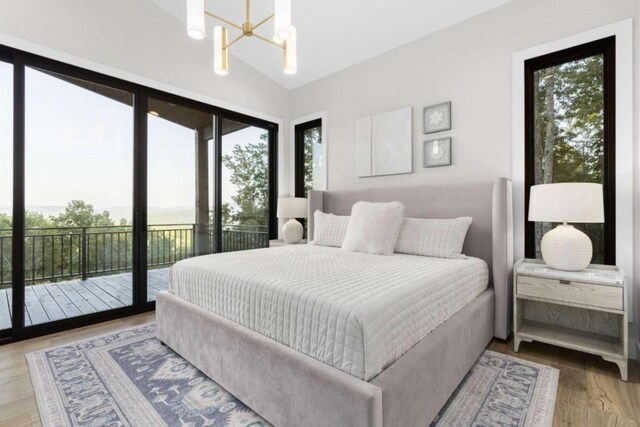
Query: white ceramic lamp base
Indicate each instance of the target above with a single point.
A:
(566, 248)
(292, 231)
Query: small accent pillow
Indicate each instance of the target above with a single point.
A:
(373, 227)
(329, 229)
(442, 238)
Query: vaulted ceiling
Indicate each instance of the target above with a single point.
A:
(335, 34)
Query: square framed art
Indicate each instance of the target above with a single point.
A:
(437, 152)
(436, 118)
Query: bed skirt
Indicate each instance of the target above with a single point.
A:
(289, 388)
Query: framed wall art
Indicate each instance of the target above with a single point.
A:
(436, 118)
(437, 152)
(384, 143)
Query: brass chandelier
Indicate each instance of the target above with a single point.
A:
(284, 36)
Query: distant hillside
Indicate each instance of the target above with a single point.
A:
(172, 215)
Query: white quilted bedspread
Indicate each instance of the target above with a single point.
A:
(357, 312)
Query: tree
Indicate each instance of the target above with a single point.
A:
(79, 213)
(312, 137)
(5, 221)
(249, 166)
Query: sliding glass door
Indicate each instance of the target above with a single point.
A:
(78, 214)
(180, 176)
(105, 184)
(6, 195)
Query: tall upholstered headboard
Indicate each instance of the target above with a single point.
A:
(490, 236)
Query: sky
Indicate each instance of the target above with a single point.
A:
(79, 145)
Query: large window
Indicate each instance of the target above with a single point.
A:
(569, 121)
(309, 161)
(104, 184)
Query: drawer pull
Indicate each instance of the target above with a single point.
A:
(565, 282)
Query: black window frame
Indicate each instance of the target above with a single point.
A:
(607, 48)
(298, 147)
(21, 60)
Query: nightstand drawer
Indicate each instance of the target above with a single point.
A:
(572, 292)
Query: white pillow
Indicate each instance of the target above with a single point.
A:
(373, 227)
(441, 238)
(329, 229)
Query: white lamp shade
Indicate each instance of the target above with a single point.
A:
(195, 19)
(290, 53)
(577, 202)
(292, 207)
(220, 58)
(282, 24)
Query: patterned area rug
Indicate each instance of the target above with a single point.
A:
(128, 378)
(501, 390)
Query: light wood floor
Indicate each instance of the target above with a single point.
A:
(590, 392)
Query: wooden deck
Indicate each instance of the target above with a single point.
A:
(55, 301)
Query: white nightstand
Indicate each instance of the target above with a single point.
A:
(279, 242)
(582, 310)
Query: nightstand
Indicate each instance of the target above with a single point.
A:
(581, 310)
(279, 242)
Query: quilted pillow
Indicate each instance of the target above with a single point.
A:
(329, 229)
(373, 227)
(441, 238)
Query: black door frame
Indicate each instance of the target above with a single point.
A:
(20, 60)
(298, 147)
(606, 47)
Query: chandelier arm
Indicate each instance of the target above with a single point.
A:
(264, 21)
(226, 21)
(234, 40)
(268, 41)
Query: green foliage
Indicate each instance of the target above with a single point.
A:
(249, 166)
(312, 137)
(569, 122)
(81, 214)
(5, 221)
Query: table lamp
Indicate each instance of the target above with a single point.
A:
(565, 247)
(292, 208)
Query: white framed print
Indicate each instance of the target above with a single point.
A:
(384, 143)
(437, 152)
(436, 118)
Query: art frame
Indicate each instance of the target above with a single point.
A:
(384, 143)
(436, 118)
(437, 152)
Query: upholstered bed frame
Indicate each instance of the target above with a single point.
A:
(289, 388)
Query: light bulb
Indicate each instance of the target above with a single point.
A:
(290, 52)
(195, 19)
(282, 12)
(220, 64)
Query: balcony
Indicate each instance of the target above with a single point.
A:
(73, 271)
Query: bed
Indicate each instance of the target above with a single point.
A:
(310, 335)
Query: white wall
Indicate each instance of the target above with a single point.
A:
(468, 64)
(137, 41)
